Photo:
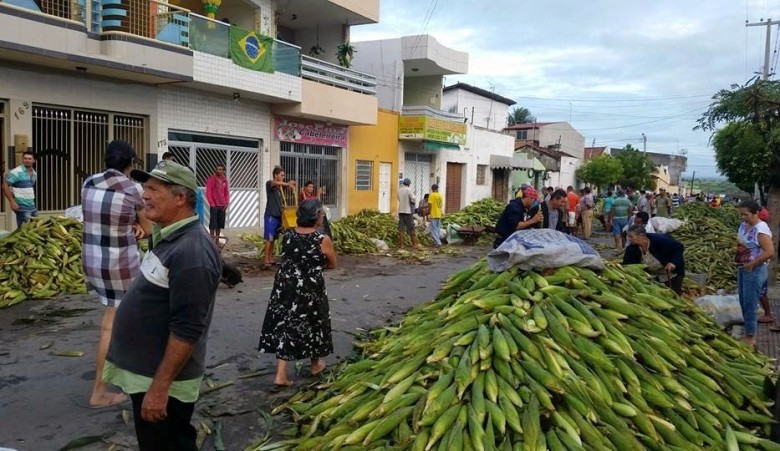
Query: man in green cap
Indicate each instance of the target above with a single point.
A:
(158, 346)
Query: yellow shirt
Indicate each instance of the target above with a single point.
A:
(437, 204)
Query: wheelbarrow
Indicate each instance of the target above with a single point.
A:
(471, 234)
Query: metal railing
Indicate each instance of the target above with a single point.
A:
(75, 10)
(335, 75)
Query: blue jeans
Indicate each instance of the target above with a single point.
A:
(749, 285)
(436, 230)
(25, 214)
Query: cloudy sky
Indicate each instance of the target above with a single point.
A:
(613, 69)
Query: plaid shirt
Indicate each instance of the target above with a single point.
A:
(109, 248)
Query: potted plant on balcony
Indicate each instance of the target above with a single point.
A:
(344, 52)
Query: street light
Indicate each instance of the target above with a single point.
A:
(644, 143)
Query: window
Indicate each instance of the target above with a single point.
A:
(522, 134)
(481, 171)
(364, 171)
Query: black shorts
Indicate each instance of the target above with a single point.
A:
(405, 223)
(217, 218)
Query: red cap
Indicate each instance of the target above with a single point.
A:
(530, 192)
(763, 214)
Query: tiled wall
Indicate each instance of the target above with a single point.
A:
(219, 71)
(204, 112)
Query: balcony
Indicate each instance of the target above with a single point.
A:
(156, 42)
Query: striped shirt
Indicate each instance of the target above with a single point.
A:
(110, 256)
(22, 185)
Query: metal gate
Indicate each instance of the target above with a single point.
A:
(417, 168)
(70, 146)
(242, 169)
(318, 164)
(5, 165)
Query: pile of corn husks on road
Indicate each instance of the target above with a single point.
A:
(710, 248)
(570, 360)
(484, 212)
(41, 259)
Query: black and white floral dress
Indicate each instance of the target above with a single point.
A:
(297, 322)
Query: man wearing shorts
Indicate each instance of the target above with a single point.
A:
(272, 220)
(218, 196)
(113, 221)
(406, 203)
(618, 216)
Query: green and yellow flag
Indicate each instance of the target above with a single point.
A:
(251, 50)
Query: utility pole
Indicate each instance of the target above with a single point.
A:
(644, 143)
(767, 46)
(692, 177)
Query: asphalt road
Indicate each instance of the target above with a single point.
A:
(43, 396)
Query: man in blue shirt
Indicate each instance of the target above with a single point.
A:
(19, 188)
(519, 214)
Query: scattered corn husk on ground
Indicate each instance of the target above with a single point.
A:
(40, 260)
(567, 360)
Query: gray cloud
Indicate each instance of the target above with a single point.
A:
(617, 69)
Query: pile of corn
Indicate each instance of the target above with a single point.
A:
(569, 360)
(728, 215)
(40, 260)
(380, 226)
(482, 212)
(710, 248)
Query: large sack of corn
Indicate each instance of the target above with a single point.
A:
(563, 359)
(543, 248)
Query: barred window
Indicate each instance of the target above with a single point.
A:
(364, 171)
(481, 171)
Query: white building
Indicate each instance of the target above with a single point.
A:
(558, 145)
(76, 75)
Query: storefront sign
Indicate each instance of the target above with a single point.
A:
(431, 129)
(305, 132)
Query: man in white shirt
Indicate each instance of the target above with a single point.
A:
(406, 203)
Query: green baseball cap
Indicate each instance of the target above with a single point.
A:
(168, 172)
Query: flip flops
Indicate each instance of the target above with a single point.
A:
(766, 319)
(115, 399)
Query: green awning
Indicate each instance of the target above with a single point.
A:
(437, 145)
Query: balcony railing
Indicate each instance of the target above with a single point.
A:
(162, 21)
(213, 37)
(334, 75)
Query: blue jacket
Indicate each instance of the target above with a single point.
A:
(514, 212)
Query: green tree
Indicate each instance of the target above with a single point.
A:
(601, 171)
(755, 109)
(637, 168)
(520, 115)
(742, 156)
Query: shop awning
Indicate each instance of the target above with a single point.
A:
(438, 145)
(504, 162)
(530, 162)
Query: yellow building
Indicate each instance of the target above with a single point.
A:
(372, 163)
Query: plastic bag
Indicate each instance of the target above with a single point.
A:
(542, 249)
(452, 235)
(381, 246)
(724, 310)
(75, 212)
(665, 225)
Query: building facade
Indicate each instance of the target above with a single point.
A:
(166, 77)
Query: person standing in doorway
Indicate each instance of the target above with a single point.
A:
(158, 347)
(436, 203)
(406, 203)
(19, 188)
(272, 220)
(112, 207)
(218, 196)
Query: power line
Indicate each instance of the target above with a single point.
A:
(642, 123)
(646, 99)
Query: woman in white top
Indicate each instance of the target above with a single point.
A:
(754, 250)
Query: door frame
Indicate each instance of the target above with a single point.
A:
(389, 186)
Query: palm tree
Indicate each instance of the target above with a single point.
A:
(520, 115)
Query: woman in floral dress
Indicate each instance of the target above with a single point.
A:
(297, 322)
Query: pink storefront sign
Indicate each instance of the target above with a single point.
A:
(305, 132)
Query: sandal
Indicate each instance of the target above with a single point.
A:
(774, 328)
(766, 319)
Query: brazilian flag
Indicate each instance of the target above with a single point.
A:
(251, 50)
